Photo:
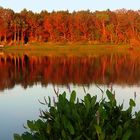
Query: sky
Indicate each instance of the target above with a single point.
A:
(71, 5)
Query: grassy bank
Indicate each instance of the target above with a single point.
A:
(71, 49)
(88, 119)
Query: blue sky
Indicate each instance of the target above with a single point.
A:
(49, 5)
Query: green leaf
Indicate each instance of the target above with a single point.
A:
(70, 128)
(110, 95)
(27, 136)
(63, 134)
(48, 129)
(73, 97)
(86, 137)
(64, 95)
(93, 100)
(17, 137)
(137, 114)
(132, 103)
(102, 112)
(127, 135)
(78, 138)
(88, 96)
(31, 125)
(39, 123)
(119, 131)
(99, 132)
(111, 98)
(127, 124)
(113, 137)
(87, 104)
(98, 129)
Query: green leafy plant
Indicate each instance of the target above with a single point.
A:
(87, 119)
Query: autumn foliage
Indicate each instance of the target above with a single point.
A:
(120, 26)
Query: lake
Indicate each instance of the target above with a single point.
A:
(25, 79)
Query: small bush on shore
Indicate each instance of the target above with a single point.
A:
(87, 119)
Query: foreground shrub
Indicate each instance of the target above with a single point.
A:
(86, 119)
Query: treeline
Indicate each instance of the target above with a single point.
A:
(120, 26)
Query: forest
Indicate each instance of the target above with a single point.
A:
(120, 26)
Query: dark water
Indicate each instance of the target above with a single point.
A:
(25, 79)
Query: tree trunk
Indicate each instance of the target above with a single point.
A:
(36, 37)
(133, 31)
(5, 37)
(18, 36)
(103, 26)
(15, 33)
(111, 38)
(22, 37)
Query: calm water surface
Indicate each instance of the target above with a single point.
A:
(26, 79)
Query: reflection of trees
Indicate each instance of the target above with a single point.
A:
(30, 70)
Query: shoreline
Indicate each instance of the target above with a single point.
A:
(61, 49)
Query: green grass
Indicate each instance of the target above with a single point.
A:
(73, 49)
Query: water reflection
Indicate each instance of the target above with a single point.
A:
(29, 70)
